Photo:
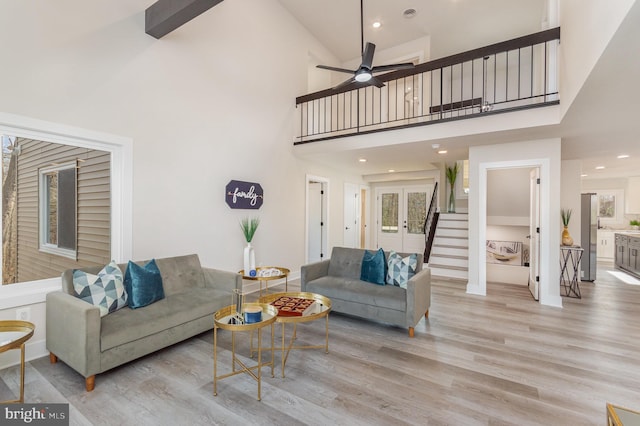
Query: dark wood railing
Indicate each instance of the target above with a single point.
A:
(515, 74)
(430, 224)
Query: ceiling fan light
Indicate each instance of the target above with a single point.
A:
(363, 76)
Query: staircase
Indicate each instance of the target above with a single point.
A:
(450, 251)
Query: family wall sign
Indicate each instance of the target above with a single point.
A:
(244, 195)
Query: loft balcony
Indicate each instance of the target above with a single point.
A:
(516, 74)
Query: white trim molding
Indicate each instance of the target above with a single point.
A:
(121, 151)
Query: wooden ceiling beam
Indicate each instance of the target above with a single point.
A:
(164, 16)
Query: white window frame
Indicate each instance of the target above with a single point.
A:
(618, 218)
(43, 212)
(459, 185)
(121, 150)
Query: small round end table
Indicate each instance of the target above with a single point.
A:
(13, 335)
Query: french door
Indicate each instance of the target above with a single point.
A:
(401, 212)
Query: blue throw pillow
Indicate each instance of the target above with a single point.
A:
(143, 284)
(401, 269)
(373, 267)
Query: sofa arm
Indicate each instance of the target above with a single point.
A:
(73, 332)
(312, 271)
(222, 280)
(418, 296)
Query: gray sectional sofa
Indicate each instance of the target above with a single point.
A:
(90, 344)
(338, 278)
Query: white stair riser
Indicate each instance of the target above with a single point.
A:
(452, 216)
(449, 261)
(449, 273)
(444, 232)
(458, 242)
(454, 251)
(458, 224)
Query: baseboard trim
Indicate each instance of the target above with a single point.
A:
(33, 350)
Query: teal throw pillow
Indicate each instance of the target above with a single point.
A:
(401, 269)
(143, 284)
(104, 290)
(373, 267)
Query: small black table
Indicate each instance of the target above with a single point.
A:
(570, 257)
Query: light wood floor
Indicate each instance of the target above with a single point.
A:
(496, 360)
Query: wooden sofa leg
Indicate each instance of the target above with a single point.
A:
(426, 314)
(52, 358)
(411, 332)
(90, 383)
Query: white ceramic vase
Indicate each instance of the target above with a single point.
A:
(249, 260)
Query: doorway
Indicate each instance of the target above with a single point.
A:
(400, 216)
(317, 225)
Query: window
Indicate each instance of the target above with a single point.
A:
(57, 206)
(390, 205)
(610, 207)
(462, 182)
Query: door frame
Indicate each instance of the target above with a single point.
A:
(325, 229)
(402, 189)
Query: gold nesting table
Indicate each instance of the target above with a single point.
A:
(282, 273)
(320, 310)
(14, 335)
(222, 320)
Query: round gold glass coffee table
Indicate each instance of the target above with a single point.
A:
(224, 319)
(266, 274)
(319, 309)
(13, 335)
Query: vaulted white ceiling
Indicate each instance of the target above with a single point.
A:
(601, 123)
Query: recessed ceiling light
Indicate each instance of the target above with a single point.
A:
(442, 151)
(376, 24)
(391, 170)
(362, 160)
(409, 13)
(435, 145)
(621, 156)
(584, 175)
(599, 167)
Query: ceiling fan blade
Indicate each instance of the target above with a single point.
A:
(326, 67)
(367, 55)
(375, 82)
(345, 83)
(392, 67)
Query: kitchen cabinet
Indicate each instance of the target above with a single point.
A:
(606, 245)
(632, 196)
(622, 247)
(627, 253)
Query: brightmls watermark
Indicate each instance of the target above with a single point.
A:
(35, 414)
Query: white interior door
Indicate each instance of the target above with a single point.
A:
(316, 221)
(534, 232)
(351, 215)
(317, 218)
(401, 213)
(388, 208)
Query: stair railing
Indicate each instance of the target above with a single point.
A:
(430, 223)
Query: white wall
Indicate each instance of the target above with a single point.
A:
(541, 153)
(210, 102)
(570, 196)
(587, 27)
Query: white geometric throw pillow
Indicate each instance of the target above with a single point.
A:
(401, 269)
(104, 290)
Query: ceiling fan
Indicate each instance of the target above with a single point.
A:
(364, 73)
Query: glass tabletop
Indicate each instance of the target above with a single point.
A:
(14, 333)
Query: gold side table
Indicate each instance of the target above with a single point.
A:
(13, 335)
(284, 273)
(222, 319)
(321, 309)
(620, 416)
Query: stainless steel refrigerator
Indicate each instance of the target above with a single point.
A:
(588, 236)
